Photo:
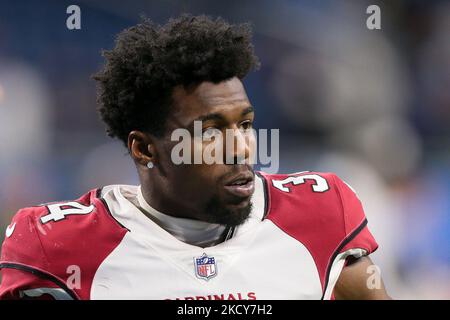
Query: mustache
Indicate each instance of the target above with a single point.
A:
(237, 169)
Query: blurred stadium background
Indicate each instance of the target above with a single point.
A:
(372, 106)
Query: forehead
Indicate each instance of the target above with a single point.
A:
(227, 97)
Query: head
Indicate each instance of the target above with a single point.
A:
(161, 78)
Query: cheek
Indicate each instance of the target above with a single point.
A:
(196, 178)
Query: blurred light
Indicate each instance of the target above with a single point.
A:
(2, 94)
(104, 165)
(392, 146)
(347, 76)
(389, 144)
(24, 116)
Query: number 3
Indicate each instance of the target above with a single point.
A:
(320, 185)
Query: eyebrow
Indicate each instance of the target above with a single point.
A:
(219, 117)
(248, 110)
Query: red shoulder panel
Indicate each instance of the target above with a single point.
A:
(55, 241)
(358, 235)
(321, 212)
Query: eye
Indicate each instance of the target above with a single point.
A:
(210, 132)
(246, 125)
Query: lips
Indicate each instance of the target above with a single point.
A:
(241, 185)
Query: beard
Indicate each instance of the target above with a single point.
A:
(218, 213)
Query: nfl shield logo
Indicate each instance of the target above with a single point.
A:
(205, 267)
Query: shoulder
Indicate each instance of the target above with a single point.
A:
(61, 220)
(323, 213)
(305, 195)
(51, 238)
(318, 200)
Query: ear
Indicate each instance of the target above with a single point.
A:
(141, 147)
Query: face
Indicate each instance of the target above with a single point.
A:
(218, 192)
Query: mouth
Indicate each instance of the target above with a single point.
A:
(241, 185)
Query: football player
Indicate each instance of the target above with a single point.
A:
(190, 231)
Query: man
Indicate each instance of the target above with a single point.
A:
(190, 231)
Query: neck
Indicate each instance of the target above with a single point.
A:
(156, 194)
(191, 231)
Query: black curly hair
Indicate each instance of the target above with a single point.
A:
(136, 83)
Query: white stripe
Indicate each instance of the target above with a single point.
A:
(337, 266)
(57, 293)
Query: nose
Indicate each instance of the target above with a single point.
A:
(237, 146)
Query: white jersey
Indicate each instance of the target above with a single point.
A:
(294, 244)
